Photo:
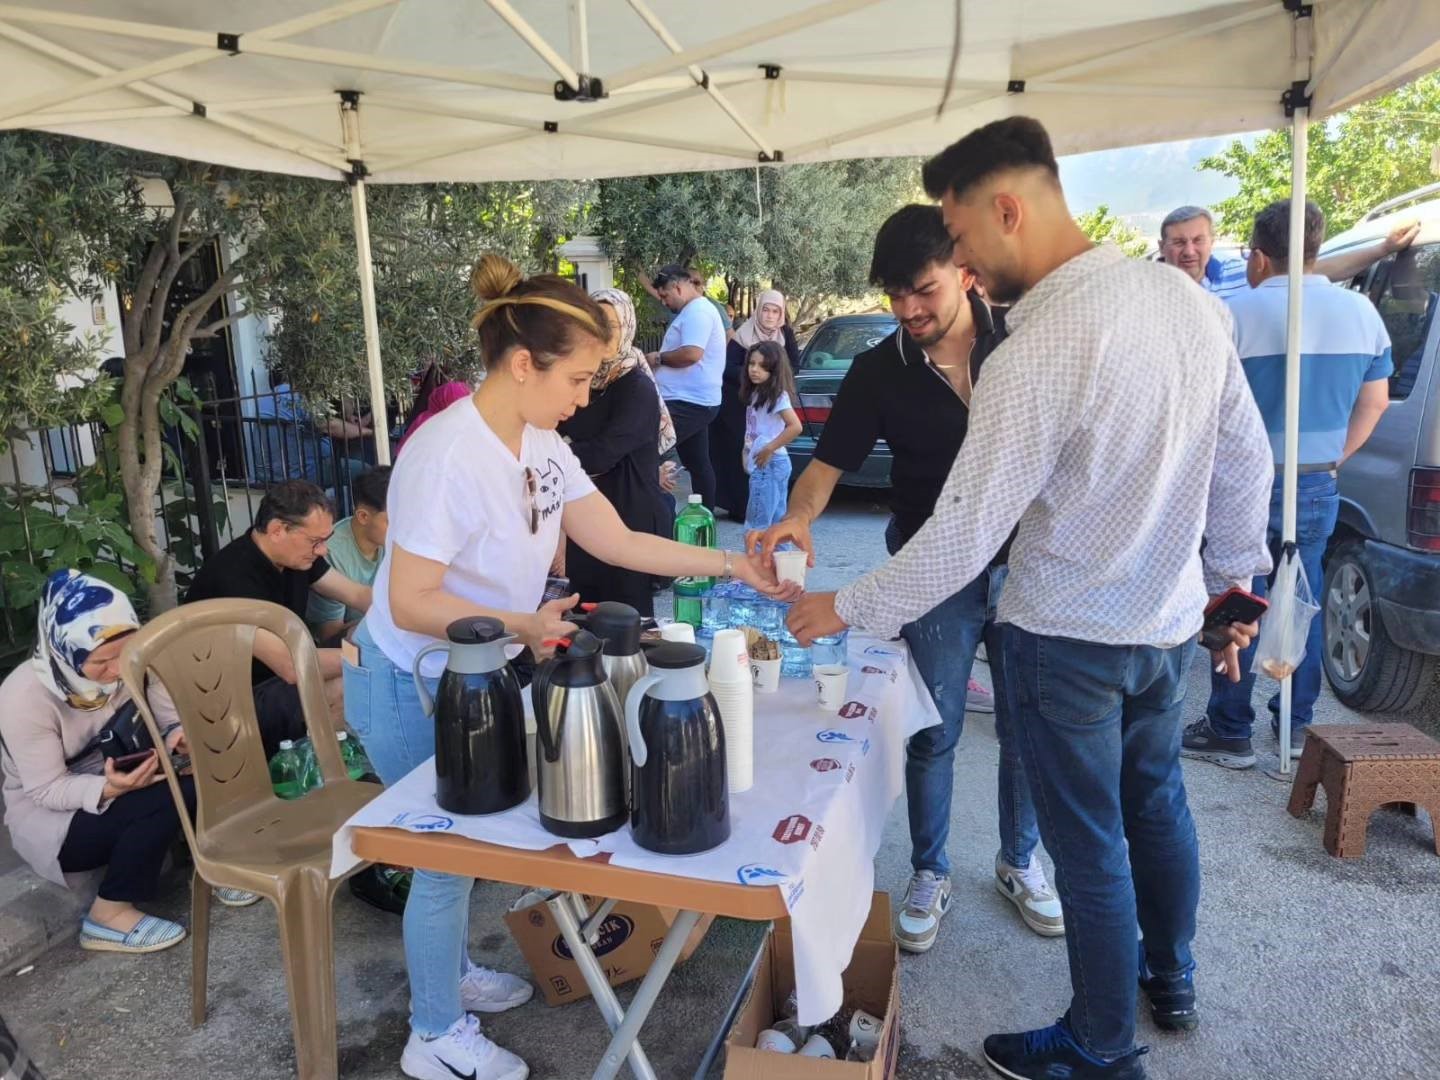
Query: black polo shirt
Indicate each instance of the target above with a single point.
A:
(240, 570)
(893, 392)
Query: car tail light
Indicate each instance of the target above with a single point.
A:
(1424, 518)
(815, 408)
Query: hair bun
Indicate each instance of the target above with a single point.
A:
(494, 276)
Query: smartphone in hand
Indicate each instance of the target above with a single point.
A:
(1234, 606)
(131, 762)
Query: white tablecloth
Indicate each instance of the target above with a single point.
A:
(810, 826)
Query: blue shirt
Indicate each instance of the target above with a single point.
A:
(293, 449)
(1225, 277)
(1343, 345)
(699, 325)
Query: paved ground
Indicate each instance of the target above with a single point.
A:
(1310, 967)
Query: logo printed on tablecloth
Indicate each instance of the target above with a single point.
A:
(850, 773)
(756, 874)
(422, 822)
(830, 735)
(889, 673)
(825, 764)
(884, 650)
(854, 710)
(794, 829)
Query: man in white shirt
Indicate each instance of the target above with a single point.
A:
(1187, 241)
(1114, 431)
(688, 369)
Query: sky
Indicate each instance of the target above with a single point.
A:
(1141, 184)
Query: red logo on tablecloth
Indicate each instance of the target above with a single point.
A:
(794, 829)
(853, 710)
(825, 764)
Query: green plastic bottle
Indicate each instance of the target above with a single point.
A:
(695, 525)
(352, 755)
(285, 771)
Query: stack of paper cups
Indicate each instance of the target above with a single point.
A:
(734, 691)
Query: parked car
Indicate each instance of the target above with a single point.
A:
(827, 357)
(1381, 599)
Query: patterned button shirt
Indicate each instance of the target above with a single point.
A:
(1116, 426)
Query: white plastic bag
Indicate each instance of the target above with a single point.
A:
(1286, 624)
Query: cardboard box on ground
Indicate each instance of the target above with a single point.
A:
(872, 983)
(628, 940)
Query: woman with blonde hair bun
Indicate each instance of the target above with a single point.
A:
(476, 506)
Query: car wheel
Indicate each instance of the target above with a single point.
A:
(1366, 669)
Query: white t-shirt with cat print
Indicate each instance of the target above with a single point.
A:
(458, 496)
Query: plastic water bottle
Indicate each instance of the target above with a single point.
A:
(695, 526)
(310, 777)
(353, 755)
(285, 771)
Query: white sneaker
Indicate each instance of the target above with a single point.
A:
(917, 923)
(487, 991)
(462, 1053)
(1032, 896)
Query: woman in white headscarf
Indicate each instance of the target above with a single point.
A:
(768, 322)
(70, 809)
(619, 438)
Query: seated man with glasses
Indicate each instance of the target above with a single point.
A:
(281, 559)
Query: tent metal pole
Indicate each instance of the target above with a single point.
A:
(537, 43)
(1299, 155)
(580, 34)
(350, 123)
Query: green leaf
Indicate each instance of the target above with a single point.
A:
(12, 539)
(22, 583)
(112, 414)
(111, 574)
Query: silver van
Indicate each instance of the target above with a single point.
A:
(1381, 602)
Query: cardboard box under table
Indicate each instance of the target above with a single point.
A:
(872, 983)
(572, 879)
(626, 940)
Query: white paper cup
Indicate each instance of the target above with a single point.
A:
(790, 566)
(729, 661)
(830, 685)
(678, 631)
(775, 1042)
(766, 674)
(865, 1031)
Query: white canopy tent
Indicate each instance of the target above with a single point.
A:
(392, 91)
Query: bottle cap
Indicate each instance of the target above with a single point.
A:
(695, 500)
(341, 736)
(287, 744)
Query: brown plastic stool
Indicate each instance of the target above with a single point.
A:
(1365, 767)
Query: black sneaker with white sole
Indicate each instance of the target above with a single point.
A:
(1201, 743)
(1172, 998)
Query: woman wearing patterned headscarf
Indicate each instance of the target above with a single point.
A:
(68, 808)
(768, 322)
(619, 438)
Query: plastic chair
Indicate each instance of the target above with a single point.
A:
(243, 836)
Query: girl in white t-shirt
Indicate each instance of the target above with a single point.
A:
(476, 506)
(768, 393)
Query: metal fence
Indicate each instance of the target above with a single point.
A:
(210, 490)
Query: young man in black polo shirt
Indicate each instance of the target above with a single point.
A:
(913, 391)
(280, 559)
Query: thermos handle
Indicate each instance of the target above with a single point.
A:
(540, 697)
(426, 701)
(638, 749)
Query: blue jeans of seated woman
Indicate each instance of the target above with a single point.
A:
(769, 492)
(383, 709)
(943, 643)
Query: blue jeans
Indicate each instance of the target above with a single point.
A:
(384, 711)
(769, 492)
(1231, 714)
(1100, 734)
(943, 644)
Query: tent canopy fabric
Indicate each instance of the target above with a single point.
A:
(472, 90)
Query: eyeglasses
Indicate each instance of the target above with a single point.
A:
(531, 506)
(315, 544)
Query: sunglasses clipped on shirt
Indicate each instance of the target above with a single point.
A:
(532, 505)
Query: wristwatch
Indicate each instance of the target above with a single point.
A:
(728, 574)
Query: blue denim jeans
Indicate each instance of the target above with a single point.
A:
(383, 709)
(769, 492)
(943, 644)
(1231, 714)
(1100, 734)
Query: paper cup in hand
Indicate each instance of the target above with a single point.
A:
(830, 685)
(766, 674)
(790, 566)
(729, 659)
(678, 631)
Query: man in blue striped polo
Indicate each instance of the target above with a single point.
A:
(1344, 370)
